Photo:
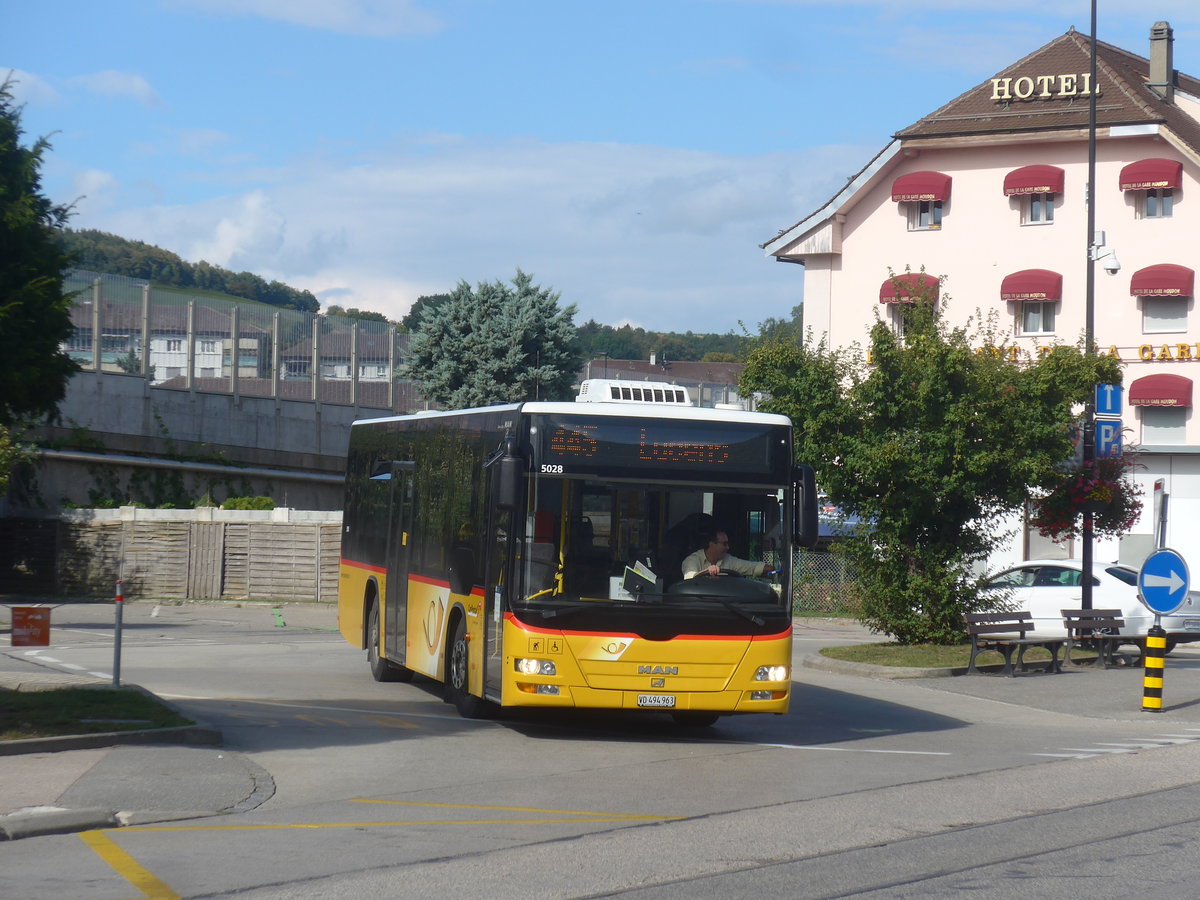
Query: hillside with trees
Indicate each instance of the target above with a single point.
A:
(99, 251)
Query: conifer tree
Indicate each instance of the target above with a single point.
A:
(35, 319)
(496, 343)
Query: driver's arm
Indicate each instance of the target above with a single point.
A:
(744, 566)
(694, 564)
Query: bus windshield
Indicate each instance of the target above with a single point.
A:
(610, 553)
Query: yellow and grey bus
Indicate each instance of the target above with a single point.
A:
(530, 554)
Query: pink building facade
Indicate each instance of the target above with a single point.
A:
(987, 195)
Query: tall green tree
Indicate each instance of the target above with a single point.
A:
(496, 343)
(35, 319)
(936, 439)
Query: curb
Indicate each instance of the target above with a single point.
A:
(43, 820)
(845, 667)
(189, 735)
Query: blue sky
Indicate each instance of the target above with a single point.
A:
(631, 155)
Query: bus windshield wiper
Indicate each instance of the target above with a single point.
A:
(729, 605)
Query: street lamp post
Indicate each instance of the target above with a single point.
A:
(1089, 322)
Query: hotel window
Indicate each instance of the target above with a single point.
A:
(1037, 316)
(1155, 181)
(897, 315)
(1163, 424)
(1164, 315)
(1157, 203)
(925, 215)
(1037, 209)
(923, 193)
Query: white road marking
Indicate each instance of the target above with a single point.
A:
(839, 749)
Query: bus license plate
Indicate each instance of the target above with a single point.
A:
(661, 701)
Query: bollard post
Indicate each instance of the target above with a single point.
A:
(1152, 681)
(119, 603)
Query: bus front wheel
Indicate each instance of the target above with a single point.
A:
(457, 677)
(381, 669)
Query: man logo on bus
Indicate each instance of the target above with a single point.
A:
(658, 670)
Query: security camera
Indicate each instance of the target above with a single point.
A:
(1111, 265)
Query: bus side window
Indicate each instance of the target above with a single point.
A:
(462, 570)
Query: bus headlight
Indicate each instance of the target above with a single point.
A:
(528, 666)
(771, 673)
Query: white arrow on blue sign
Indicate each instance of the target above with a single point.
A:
(1108, 400)
(1163, 582)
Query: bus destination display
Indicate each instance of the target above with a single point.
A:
(591, 445)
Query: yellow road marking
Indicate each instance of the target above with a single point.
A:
(127, 867)
(388, 721)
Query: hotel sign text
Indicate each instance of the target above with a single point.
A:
(1042, 87)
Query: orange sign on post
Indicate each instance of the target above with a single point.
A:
(30, 626)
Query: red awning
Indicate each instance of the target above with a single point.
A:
(1034, 180)
(904, 288)
(1163, 280)
(921, 186)
(1032, 284)
(1161, 390)
(1148, 174)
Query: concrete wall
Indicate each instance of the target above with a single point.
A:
(303, 442)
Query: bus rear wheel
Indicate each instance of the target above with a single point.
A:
(381, 669)
(458, 678)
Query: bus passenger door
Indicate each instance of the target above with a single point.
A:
(399, 543)
(497, 581)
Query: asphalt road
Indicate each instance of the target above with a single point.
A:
(869, 787)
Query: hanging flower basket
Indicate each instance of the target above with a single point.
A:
(1102, 487)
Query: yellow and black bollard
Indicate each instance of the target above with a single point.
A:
(1152, 681)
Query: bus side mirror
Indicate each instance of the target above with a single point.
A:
(804, 507)
(508, 471)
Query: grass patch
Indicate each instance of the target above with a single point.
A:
(34, 714)
(891, 654)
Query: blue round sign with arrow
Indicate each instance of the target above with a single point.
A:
(1163, 582)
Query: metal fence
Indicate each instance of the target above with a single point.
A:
(203, 342)
(823, 585)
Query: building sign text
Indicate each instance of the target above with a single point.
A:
(1042, 87)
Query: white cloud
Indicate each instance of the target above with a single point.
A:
(369, 18)
(112, 83)
(200, 141)
(251, 233)
(95, 191)
(29, 88)
(662, 237)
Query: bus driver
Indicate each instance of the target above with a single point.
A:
(714, 557)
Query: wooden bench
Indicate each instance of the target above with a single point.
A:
(1008, 632)
(1096, 629)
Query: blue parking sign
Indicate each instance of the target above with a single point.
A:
(1108, 400)
(1108, 438)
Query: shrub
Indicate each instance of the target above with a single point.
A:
(248, 503)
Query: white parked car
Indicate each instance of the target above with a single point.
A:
(1045, 587)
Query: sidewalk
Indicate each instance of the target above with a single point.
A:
(59, 785)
